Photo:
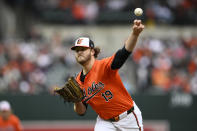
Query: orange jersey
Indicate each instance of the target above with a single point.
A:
(12, 124)
(104, 90)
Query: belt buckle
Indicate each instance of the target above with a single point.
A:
(116, 118)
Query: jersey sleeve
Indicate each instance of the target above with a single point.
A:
(106, 62)
(116, 61)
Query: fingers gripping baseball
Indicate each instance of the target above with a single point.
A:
(137, 27)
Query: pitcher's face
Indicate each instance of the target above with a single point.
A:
(82, 55)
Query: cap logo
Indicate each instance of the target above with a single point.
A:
(79, 41)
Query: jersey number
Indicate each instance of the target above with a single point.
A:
(107, 95)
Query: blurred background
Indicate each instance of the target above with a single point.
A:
(160, 75)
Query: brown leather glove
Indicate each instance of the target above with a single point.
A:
(71, 91)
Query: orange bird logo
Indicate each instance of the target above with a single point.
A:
(79, 41)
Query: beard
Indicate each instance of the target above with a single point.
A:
(83, 59)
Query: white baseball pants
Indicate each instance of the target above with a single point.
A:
(132, 122)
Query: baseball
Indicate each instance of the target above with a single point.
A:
(138, 11)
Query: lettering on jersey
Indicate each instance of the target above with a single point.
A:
(92, 91)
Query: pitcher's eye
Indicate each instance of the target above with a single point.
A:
(81, 49)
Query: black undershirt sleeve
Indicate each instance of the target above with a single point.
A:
(120, 58)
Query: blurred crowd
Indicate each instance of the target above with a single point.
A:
(36, 64)
(167, 65)
(31, 66)
(181, 12)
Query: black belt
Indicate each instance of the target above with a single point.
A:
(117, 118)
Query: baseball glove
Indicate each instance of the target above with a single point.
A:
(71, 91)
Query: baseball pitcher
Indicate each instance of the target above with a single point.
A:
(101, 86)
